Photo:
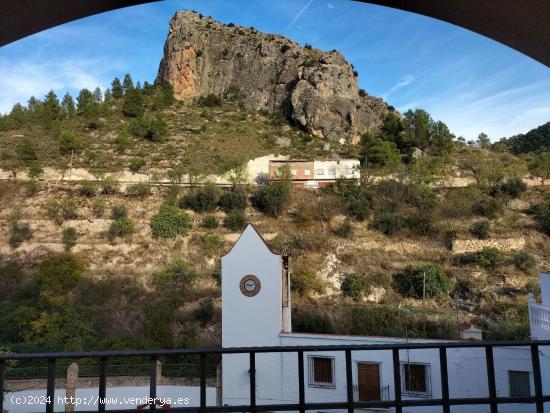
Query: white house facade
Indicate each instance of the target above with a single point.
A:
(256, 310)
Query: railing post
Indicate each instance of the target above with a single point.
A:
(537, 377)
(50, 392)
(491, 379)
(203, 382)
(2, 374)
(444, 379)
(102, 384)
(349, 381)
(153, 384)
(252, 373)
(301, 388)
(397, 380)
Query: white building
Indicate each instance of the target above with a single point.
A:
(256, 310)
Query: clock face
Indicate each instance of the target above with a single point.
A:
(250, 285)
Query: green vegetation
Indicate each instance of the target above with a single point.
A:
(169, 222)
(354, 286)
(68, 238)
(304, 281)
(430, 278)
(235, 220)
(20, 232)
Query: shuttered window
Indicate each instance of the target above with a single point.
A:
(416, 379)
(321, 372)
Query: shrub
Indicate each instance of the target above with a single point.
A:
(119, 211)
(234, 199)
(354, 286)
(34, 171)
(59, 274)
(541, 213)
(205, 312)
(136, 164)
(272, 199)
(25, 151)
(345, 229)
(61, 211)
(305, 282)
(69, 238)
(109, 186)
(437, 281)
(68, 142)
(153, 128)
(304, 321)
(459, 202)
(98, 207)
(390, 223)
(210, 244)
(513, 188)
(169, 222)
(19, 234)
(139, 190)
(121, 227)
(235, 221)
(421, 224)
(488, 207)
(489, 258)
(122, 142)
(358, 201)
(524, 260)
(210, 222)
(209, 100)
(481, 229)
(421, 196)
(179, 274)
(204, 199)
(87, 188)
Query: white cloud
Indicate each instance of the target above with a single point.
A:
(405, 81)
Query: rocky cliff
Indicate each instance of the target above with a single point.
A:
(315, 90)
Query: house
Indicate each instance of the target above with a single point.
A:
(316, 173)
(256, 311)
(539, 314)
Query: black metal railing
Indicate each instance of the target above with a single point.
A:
(397, 403)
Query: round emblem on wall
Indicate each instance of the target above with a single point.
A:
(250, 285)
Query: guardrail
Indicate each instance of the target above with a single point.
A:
(538, 399)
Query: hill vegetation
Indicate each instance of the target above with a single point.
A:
(98, 265)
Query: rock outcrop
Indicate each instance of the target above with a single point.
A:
(315, 90)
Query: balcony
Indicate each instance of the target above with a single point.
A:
(391, 396)
(539, 317)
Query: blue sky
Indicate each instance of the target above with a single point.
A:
(470, 82)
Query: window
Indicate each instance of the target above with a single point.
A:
(320, 171)
(520, 385)
(293, 172)
(332, 172)
(321, 372)
(307, 172)
(415, 379)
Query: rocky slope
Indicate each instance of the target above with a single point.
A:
(316, 90)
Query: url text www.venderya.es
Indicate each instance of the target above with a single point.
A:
(96, 400)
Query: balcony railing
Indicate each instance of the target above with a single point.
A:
(359, 393)
(539, 316)
(397, 403)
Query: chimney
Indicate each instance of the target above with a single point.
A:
(470, 332)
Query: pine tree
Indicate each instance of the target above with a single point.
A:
(107, 96)
(127, 83)
(116, 88)
(98, 95)
(33, 105)
(133, 103)
(67, 105)
(50, 109)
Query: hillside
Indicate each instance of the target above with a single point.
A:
(99, 263)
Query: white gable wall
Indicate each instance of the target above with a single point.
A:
(251, 321)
